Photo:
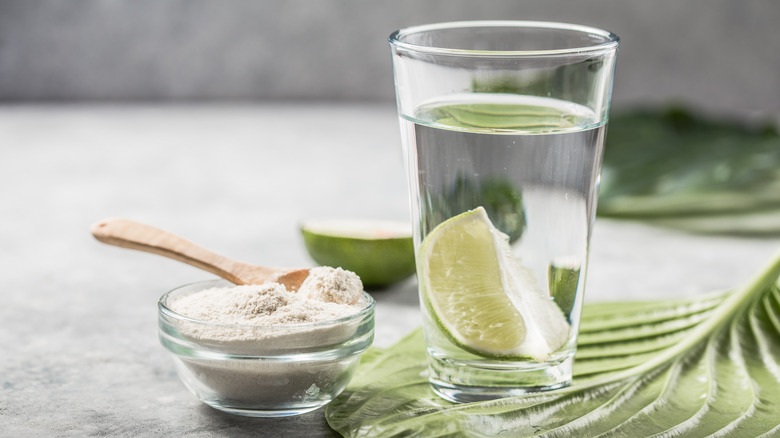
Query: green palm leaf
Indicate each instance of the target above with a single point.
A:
(700, 366)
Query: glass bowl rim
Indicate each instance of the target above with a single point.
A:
(611, 40)
(163, 309)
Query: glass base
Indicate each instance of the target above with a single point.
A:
(473, 381)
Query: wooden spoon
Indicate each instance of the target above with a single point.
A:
(134, 235)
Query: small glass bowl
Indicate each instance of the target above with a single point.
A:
(264, 371)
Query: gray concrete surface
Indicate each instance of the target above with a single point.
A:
(80, 355)
(721, 55)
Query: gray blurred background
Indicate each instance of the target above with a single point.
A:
(719, 55)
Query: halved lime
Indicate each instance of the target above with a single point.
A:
(380, 252)
(484, 299)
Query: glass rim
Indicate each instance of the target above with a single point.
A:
(611, 40)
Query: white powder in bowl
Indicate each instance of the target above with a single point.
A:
(266, 321)
(264, 304)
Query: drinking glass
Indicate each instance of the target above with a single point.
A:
(503, 126)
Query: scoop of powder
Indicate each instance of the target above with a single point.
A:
(332, 285)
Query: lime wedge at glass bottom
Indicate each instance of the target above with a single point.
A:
(484, 299)
(379, 252)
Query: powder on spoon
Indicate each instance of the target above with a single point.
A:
(334, 285)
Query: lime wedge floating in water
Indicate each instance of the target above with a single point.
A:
(484, 299)
(380, 252)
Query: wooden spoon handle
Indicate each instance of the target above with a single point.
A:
(134, 235)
